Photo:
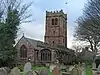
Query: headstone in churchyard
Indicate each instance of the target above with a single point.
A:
(83, 69)
(67, 68)
(94, 65)
(56, 71)
(70, 68)
(75, 71)
(44, 72)
(7, 69)
(15, 71)
(80, 70)
(35, 73)
(27, 67)
(65, 73)
(94, 72)
(3, 71)
(98, 68)
(79, 64)
(47, 64)
(29, 73)
(52, 66)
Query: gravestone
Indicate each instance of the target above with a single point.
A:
(79, 64)
(29, 73)
(83, 69)
(75, 71)
(27, 67)
(15, 71)
(67, 68)
(80, 70)
(47, 64)
(3, 71)
(70, 68)
(7, 69)
(93, 65)
(52, 66)
(66, 73)
(98, 70)
(56, 71)
(94, 70)
(94, 73)
(35, 73)
(43, 72)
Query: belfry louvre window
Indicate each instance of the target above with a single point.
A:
(23, 51)
(54, 21)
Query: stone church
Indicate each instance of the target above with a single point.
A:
(53, 49)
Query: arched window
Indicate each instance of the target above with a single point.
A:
(53, 32)
(45, 55)
(53, 22)
(23, 51)
(56, 21)
(53, 42)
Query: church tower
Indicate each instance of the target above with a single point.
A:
(56, 28)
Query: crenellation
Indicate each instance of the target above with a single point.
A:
(56, 14)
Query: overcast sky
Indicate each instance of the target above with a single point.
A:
(36, 29)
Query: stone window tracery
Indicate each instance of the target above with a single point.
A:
(46, 55)
(56, 21)
(23, 51)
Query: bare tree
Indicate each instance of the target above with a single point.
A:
(86, 32)
(89, 24)
(23, 9)
(92, 12)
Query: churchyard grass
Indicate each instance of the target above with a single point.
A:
(88, 70)
(38, 68)
(21, 73)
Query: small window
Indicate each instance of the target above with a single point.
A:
(52, 21)
(54, 32)
(53, 42)
(23, 51)
(56, 21)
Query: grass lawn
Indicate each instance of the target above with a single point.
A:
(88, 70)
(39, 68)
(21, 73)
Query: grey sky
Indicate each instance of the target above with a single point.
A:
(36, 29)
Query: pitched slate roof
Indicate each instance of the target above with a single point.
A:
(37, 43)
